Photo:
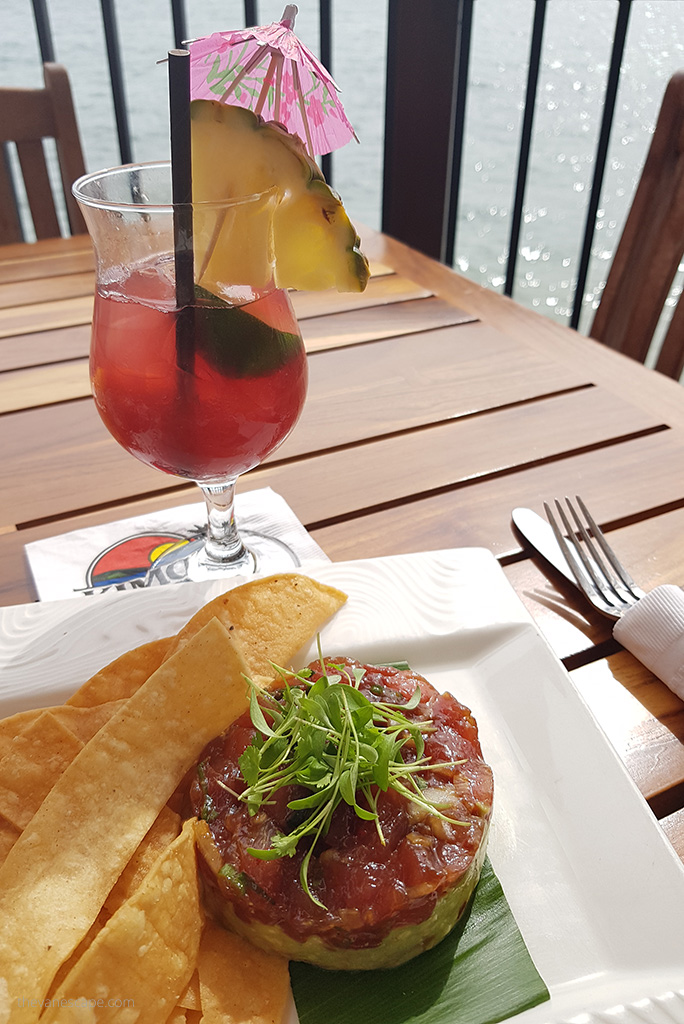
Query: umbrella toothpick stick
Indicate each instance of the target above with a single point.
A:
(278, 87)
(253, 61)
(266, 84)
(302, 106)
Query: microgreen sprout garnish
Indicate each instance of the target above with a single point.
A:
(327, 737)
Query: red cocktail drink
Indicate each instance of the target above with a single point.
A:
(197, 362)
(223, 410)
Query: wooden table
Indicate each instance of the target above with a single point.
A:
(435, 407)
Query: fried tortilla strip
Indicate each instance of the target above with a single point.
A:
(163, 832)
(82, 722)
(122, 677)
(190, 1000)
(83, 946)
(228, 967)
(30, 768)
(273, 617)
(177, 1016)
(36, 757)
(59, 872)
(9, 834)
(144, 956)
(85, 722)
(165, 829)
(11, 727)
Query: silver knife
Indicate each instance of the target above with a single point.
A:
(539, 534)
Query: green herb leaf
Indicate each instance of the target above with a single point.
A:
(233, 877)
(257, 715)
(208, 812)
(348, 786)
(249, 764)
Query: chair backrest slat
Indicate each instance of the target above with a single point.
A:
(27, 116)
(10, 227)
(38, 191)
(651, 248)
(69, 151)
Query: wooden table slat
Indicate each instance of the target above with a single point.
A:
(70, 312)
(20, 351)
(643, 473)
(373, 323)
(43, 267)
(57, 249)
(49, 289)
(673, 827)
(46, 316)
(643, 720)
(334, 330)
(44, 385)
(527, 329)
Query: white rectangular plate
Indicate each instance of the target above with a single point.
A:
(596, 889)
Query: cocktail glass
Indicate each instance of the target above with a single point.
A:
(203, 386)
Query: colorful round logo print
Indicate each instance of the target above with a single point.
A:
(134, 558)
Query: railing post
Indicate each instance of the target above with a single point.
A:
(612, 83)
(117, 80)
(180, 26)
(525, 141)
(422, 69)
(463, 65)
(42, 22)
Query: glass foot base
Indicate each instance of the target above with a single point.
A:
(264, 555)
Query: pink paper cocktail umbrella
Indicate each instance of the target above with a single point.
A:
(267, 69)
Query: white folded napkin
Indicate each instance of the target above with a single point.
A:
(653, 630)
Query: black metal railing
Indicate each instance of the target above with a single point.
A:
(429, 223)
(436, 36)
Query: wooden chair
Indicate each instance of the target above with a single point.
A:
(27, 116)
(651, 248)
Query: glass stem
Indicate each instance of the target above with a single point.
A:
(223, 544)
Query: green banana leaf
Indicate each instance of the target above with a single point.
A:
(481, 973)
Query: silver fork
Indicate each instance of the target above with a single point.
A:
(592, 561)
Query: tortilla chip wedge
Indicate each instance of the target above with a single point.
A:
(273, 617)
(58, 873)
(228, 966)
(144, 956)
(32, 765)
(123, 676)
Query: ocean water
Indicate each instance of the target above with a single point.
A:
(577, 43)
